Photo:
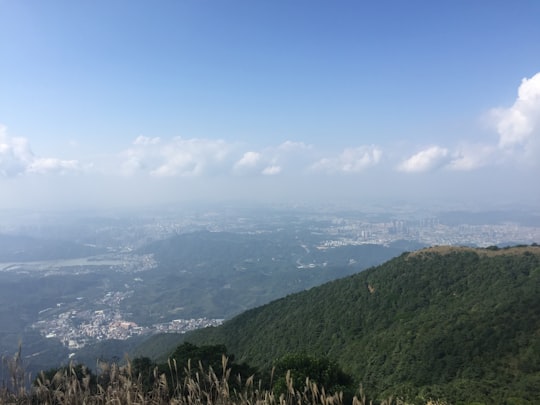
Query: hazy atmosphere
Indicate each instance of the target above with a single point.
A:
(127, 103)
(338, 193)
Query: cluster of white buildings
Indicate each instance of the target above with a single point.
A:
(352, 232)
(185, 325)
(75, 329)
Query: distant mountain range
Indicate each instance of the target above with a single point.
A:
(457, 324)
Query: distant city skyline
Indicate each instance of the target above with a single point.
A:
(110, 104)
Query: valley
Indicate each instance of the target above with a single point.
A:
(118, 278)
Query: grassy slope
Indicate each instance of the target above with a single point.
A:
(447, 322)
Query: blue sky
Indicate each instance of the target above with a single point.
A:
(134, 102)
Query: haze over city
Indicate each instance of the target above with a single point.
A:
(130, 103)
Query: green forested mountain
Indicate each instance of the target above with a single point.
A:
(459, 324)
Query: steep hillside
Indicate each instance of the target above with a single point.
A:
(455, 323)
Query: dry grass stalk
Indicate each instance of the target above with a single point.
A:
(117, 385)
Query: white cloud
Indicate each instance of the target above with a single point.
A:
(17, 158)
(351, 160)
(518, 129)
(248, 160)
(271, 170)
(45, 165)
(471, 156)
(177, 157)
(272, 160)
(426, 160)
(145, 141)
(519, 125)
(291, 146)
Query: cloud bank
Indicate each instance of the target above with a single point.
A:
(426, 160)
(17, 158)
(177, 157)
(351, 160)
(248, 160)
(515, 139)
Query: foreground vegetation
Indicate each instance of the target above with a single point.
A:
(129, 384)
